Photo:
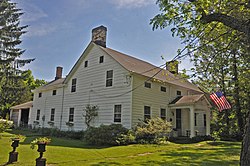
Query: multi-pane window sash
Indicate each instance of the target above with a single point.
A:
(52, 114)
(86, 64)
(147, 84)
(37, 114)
(109, 78)
(71, 115)
(205, 119)
(163, 89)
(54, 92)
(117, 113)
(147, 113)
(195, 119)
(178, 93)
(101, 59)
(163, 113)
(73, 85)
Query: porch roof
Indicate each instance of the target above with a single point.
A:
(28, 104)
(186, 100)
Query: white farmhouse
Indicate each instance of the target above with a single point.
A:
(125, 89)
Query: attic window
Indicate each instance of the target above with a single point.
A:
(54, 92)
(40, 95)
(86, 64)
(147, 84)
(101, 59)
(73, 85)
(163, 89)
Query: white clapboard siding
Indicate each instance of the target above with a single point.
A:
(45, 104)
(152, 97)
(91, 89)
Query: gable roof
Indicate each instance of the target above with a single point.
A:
(146, 69)
(78, 63)
(53, 84)
(189, 100)
(135, 65)
(186, 99)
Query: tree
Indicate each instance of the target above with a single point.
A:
(216, 33)
(12, 87)
(90, 113)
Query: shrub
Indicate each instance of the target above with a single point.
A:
(155, 130)
(125, 139)
(5, 124)
(36, 141)
(105, 134)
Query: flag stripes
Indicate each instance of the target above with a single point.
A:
(220, 100)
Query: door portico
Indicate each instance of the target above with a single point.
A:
(196, 109)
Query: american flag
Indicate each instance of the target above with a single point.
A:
(220, 100)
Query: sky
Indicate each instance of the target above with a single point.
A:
(60, 30)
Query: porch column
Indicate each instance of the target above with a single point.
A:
(19, 117)
(29, 122)
(192, 133)
(208, 122)
(11, 112)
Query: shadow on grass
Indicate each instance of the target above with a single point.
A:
(210, 155)
(106, 164)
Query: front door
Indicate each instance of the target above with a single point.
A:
(24, 118)
(178, 121)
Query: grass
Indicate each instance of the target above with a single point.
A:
(75, 153)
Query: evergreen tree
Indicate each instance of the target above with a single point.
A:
(12, 86)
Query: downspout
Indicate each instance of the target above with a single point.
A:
(62, 109)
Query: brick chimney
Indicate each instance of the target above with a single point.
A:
(58, 72)
(99, 35)
(172, 66)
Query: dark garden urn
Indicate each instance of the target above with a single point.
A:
(13, 155)
(40, 161)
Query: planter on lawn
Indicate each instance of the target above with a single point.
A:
(13, 155)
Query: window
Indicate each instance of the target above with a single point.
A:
(147, 84)
(163, 89)
(73, 86)
(118, 113)
(40, 95)
(178, 93)
(147, 113)
(37, 114)
(205, 119)
(86, 64)
(54, 92)
(163, 113)
(101, 59)
(109, 78)
(71, 114)
(52, 114)
(195, 119)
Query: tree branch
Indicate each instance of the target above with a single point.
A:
(234, 23)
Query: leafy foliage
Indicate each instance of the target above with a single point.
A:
(5, 124)
(155, 130)
(91, 111)
(36, 141)
(105, 134)
(217, 38)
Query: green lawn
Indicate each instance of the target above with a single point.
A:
(73, 152)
